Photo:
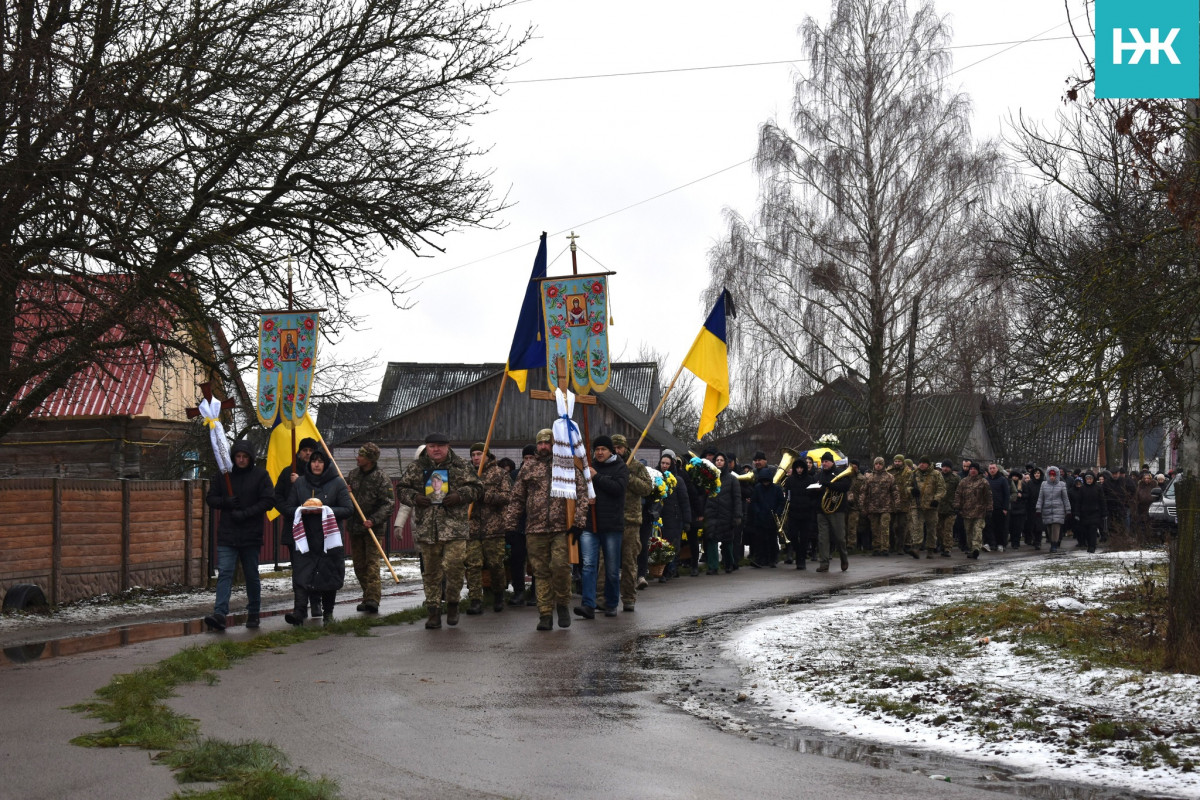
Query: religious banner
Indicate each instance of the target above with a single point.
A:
(287, 357)
(576, 326)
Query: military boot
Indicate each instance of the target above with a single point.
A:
(452, 614)
(435, 617)
(498, 602)
(545, 623)
(474, 609)
(564, 617)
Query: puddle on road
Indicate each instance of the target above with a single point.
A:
(125, 635)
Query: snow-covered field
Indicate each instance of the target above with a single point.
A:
(854, 665)
(142, 603)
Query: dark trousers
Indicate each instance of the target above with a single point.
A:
(1016, 528)
(643, 560)
(802, 531)
(517, 556)
(764, 544)
(995, 532)
(318, 599)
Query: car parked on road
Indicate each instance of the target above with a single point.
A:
(1162, 509)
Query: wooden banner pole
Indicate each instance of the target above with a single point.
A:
(358, 508)
(650, 421)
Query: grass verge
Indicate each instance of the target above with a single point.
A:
(135, 704)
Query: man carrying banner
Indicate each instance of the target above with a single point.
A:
(546, 528)
(440, 527)
(373, 490)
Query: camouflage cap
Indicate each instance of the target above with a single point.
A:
(544, 435)
(478, 446)
(370, 451)
(619, 440)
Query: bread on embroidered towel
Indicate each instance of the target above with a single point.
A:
(568, 445)
(329, 527)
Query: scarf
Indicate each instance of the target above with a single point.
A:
(329, 526)
(568, 446)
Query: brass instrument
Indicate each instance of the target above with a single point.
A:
(786, 460)
(745, 477)
(832, 501)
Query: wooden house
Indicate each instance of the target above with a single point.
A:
(458, 399)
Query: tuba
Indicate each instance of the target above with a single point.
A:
(832, 501)
(786, 459)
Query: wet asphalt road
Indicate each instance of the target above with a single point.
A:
(491, 708)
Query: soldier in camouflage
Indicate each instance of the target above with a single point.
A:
(933, 491)
(640, 485)
(440, 527)
(854, 506)
(902, 533)
(878, 499)
(946, 511)
(546, 529)
(973, 498)
(373, 491)
(485, 547)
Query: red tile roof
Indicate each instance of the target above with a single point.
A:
(120, 384)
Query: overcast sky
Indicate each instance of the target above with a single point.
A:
(570, 154)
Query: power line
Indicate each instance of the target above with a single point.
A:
(705, 68)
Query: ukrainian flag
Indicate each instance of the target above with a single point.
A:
(528, 351)
(708, 360)
(279, 450)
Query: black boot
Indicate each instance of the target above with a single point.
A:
(517, 599)
(545, 623)
(435, 617)
(215, 622)
(253, 620)
(474, 609)
(452, 614)
(296, 617)
(564, 617)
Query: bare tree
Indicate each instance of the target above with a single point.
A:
(160, 160)
(864, 206)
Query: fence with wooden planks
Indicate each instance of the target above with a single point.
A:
(80, 538)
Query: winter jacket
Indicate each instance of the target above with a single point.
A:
(373, 491)
(931, 487)
(1001, 490)
(611, 480)
(639, 486)
(544, 514)
(242, 512)
(1052, 502)
(854, 496)
(904, 486)
(800, 503)
(1017, 500)
(832, 483)
(487, 515)
(946, 506)
(1092, 507)
(723, 513)
(440, 522)
(973, 498)
(676, 510)
(317, 570)
(1033, 489)
(766, 502)
(879, 495)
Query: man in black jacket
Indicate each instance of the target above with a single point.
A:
(240, 531)
(610, 480)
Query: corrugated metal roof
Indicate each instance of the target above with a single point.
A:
(407, 385)
(121, 385)
(338, 422)
(1063, 437)
(638, 383)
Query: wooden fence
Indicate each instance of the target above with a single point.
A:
(80, 538)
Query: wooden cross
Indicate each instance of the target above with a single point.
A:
(192, 413)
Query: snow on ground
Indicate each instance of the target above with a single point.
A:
(826, 667)
(139, 602)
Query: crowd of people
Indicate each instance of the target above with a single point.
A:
(477, 517)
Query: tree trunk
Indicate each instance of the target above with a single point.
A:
(1183, 588)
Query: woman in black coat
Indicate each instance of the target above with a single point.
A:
(802, 511)
(1033, 528)
(676, 511)
(321, 570)
(762, 515)
(1090, 510)
(722, 516)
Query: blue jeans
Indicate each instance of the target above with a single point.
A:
(589, 550)
(227, 559)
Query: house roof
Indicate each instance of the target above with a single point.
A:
(637, 381)
(121, 385)
(408, 385)
(1062, 436)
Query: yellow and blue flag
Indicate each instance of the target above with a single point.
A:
(528, 351)
(279, 450)
(708, 360)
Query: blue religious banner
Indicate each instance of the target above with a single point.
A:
(287, 357)
(576, 327)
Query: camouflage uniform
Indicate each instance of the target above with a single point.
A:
(973, 498)
(441, 531)
(878, 499)
(375, 497)
(854, 504)
(946, 512)
(902, 535)
(933, 490)
(486, 544)
(640, 485)
(546, 526)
